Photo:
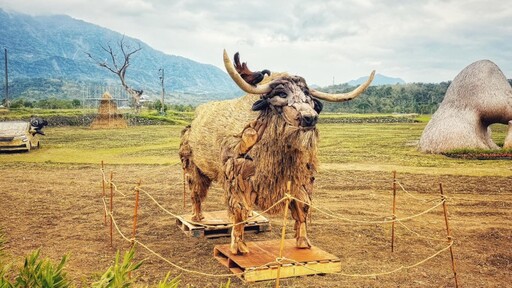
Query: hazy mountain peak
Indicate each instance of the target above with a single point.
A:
(378, 80)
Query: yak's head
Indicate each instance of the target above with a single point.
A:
(290, 96)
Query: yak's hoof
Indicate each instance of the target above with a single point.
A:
(239, 248)
(197, 217)
(303, 243)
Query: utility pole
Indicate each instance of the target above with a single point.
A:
(162, 111)
(6, 81)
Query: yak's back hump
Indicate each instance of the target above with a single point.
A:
(213, 122)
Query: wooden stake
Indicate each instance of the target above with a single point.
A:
(394, 215)
(283, 232)
(135, 213)
(103, 189)
(111, 208)
(448, 233)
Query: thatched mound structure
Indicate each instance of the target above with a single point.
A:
(508, 139)
(479, 96)
(108, 116)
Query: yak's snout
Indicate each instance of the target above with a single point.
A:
(308, 120)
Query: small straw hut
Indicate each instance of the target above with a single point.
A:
(108, 116)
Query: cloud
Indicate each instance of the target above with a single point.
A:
(427, 41)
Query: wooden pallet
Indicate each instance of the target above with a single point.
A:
(221, 225)
(260, 263)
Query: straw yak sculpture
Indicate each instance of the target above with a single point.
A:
(254, 145)
(479, 96)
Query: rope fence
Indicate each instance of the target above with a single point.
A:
(392, 219)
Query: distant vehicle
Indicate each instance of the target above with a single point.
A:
(18, 135)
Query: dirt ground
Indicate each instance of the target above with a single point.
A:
(59, 208)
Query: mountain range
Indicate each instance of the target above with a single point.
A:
(47, 57)
(55, 47)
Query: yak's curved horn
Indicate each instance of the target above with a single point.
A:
(260, 89)
(343, 96)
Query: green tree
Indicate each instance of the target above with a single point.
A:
(76, 103)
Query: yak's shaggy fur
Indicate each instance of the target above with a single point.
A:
(212, 149)
(479, 96)
(284, 152)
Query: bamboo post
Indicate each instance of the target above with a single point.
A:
(136, 210)
(103, 189)
(448, 233)
(111, 208)
(394, 213)
(283, 232)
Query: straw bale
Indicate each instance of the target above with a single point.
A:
(108, 116)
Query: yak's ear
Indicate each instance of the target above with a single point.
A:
(318, 105)
(260, 105)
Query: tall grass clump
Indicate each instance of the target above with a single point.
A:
(2, 243)
(42, 273)
(118, 275)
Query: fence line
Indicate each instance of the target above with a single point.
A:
(332, 215)
(323, 211)
(280, 259)
(412, 196)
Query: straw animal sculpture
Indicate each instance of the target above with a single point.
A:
(254, 145)
(479, 96)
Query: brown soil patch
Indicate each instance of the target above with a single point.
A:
(59, 209)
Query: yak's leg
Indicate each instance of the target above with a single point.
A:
(198, 184)
(239, 211)
(239, 196)
(299, 214)
(238, 170)
(238, 215)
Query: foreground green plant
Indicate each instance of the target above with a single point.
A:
(37, 273)
(169, 283)
(4, 279)
(2, 243)
(42, 273)
(118, 275)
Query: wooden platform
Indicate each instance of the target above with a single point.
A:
(260, 263)
(220, 222)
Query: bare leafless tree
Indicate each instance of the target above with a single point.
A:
(118, 64)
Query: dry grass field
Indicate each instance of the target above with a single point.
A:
(52, 199)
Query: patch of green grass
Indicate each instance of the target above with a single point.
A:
(393, 146)
(366, 115)
(134, 145)
(376, 146)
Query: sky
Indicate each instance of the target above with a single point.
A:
(325, 42)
